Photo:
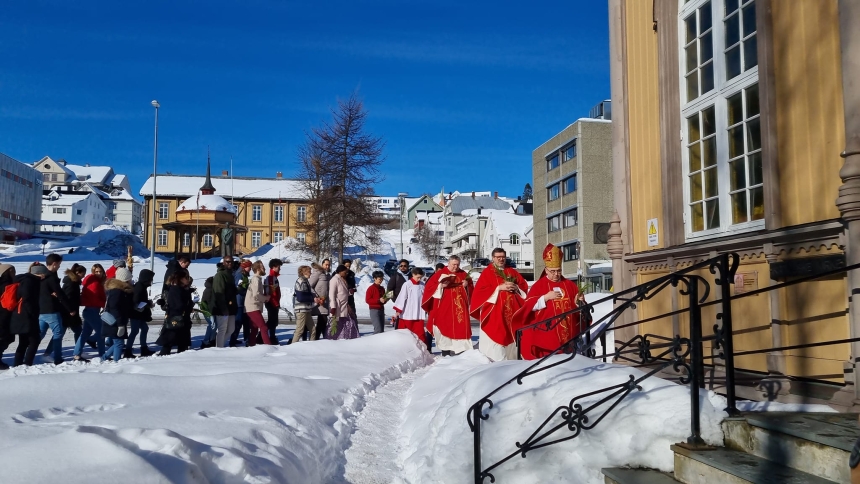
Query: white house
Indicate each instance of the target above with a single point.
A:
(71, 212)
(510, 231)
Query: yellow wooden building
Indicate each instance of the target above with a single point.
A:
(729, 118)
(267, 210)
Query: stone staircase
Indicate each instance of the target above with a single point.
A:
(762, 448)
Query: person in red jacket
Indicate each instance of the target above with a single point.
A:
(375, 298)
(111, 272)
(93, 300)
(273, 305)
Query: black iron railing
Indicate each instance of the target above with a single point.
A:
(684, 355)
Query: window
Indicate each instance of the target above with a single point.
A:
(80, 212)
(569, 153)
(570, 218)
(515, 239)
(60, 210)
(256, 213)
(569, 252)
(53, 177)
(552, 193)
(46, 177)
(207, 240)
(515, 257)
(552, 163)
(569, 185)
(186, 240)
(724, 188)
(279, 236)
(279, 213)
(554, 223)
(162, 237)
(300, 236)
(301, 213)
(256, 239)
(162, 210)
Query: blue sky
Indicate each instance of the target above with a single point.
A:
(462, 92)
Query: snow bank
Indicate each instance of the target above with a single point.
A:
(257, 415)
(637, 433)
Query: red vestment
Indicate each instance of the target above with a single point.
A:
(450, 313)
(538, 342)
(497, 317)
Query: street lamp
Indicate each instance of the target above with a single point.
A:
(154, 179)
(401, 196)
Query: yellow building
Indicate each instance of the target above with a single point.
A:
(262, 211)
(729, 118)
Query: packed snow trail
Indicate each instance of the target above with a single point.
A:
(376, 441)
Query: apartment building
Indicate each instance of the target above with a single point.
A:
(20, 199)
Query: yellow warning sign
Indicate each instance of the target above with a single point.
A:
(653, 234)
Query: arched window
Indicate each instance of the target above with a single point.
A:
(515, 239)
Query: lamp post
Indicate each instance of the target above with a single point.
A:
(154, 179)
(401, 196)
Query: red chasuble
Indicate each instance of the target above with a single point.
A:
(450, 313)
(537, 343)
(496, 318)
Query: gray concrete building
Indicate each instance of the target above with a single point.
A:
(20, 199)
(572, 180)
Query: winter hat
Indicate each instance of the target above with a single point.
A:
(4, 268)
(39, 270)
(119, 263)
(123, 274)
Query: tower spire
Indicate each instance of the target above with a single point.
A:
(208, 188)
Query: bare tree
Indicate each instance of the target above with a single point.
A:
(340, 162)
(429, 243)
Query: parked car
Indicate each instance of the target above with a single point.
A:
(510, 263)
(480, 263)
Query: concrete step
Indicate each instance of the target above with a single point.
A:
(727, 466)
(816, 443)
(620, 475)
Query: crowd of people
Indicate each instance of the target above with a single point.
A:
(109, 311)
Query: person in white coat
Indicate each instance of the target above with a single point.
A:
(410, 314)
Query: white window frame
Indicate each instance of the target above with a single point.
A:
(300, 236)
(256, 213)
(277, 237)
(162, 238)
(208, 240)
(301, 213)
(163, 210)
(186, 239)
(256, 239)
(717, 97)
(279, 213)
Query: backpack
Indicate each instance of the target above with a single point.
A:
(10, 300)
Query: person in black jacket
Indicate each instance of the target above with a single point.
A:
(25, 321)
(396, 281)
(350, 283)
(224, 293)
(181, 262)
(7, 276)
(141, 314)
(72, 288)
(119, 293)
(53, 302)
(178, 315)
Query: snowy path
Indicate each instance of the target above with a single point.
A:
(376, 441)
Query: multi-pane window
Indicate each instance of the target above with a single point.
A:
(162, 210)
(207, 240)
(570, 218)
(256, 239)
(569, 185)
(699, 52)
(741, 43)
(569, 252)
(279, 213)
(256, 213)
(552, 193)
(722, 154)
(301, 213)
(553, 223)
(515, 239)
(59, 210)
(300, 236)
(745, 174)
(278, 236)
(186, 240)
(552, 162)
(569, 152)
(162, 237)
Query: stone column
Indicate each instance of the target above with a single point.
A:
(776, 383)
(615, 248)
(849, 193)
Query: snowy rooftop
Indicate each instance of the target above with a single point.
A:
(93, 174)
(214, 203)
(465, 202)
(59, 164)
(65, 199)
(248, 188)
(507, 223)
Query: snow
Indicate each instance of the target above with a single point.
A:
(91, 174)
(258, 415)
(506, 222)
(65, 199)
(245, 188)
(212, 203)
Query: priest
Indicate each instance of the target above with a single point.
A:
(499, 293)
(550, 296)
(446, 300)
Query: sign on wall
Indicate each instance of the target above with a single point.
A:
(653, 234)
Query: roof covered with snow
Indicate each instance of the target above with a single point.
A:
(65, 199)
(59, 164)
(247, 188)
(93, 174)
(212, 203)
(507, 223)
(465, 202)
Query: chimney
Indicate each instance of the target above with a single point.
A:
(225, 173)
(473, 194)
(495, 194)
(279, 175)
